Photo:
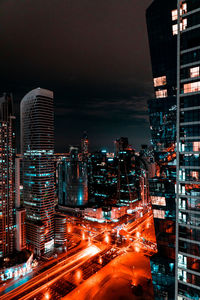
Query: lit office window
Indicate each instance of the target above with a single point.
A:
(194, 72)
(156, 200)
(183, 26)
(161, 94)
(196, 146)
(159, 214)
(159, 81)
(182, 275)
(182, 261)
(175, 29)
(191, 87)
(183, 10)
(174, 14)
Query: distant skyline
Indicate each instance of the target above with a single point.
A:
(93, 55)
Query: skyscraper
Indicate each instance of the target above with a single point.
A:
(187, 25)
(37, 148)
(162, 115)
(73, 181)
(85, 146)
(7, 163)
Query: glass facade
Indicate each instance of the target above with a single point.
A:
(161, 16)
(188, 154)
(37, 148)
(72, 181)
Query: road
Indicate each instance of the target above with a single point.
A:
(98, 248)
(48, 277)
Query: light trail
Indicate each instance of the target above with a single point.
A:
(86, 253)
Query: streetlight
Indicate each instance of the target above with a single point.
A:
(107, 238)
(100, 260)
(47, 296)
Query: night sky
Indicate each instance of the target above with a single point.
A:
(93, 54)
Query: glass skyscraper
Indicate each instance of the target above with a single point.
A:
(187, 26)
(37, 148)
(73, 181)
(162, 116)
(7, 164)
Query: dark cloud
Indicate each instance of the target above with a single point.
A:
(93, 54)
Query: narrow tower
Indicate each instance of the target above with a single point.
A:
(7, 152)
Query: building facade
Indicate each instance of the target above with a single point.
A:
(72, 180)
(162, 115)
(20, 210)
(187, 19)
(85, 146)
(37, 148)
(7, 179)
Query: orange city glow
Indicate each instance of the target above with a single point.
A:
(69, 228)
(138, 234)
(107, 238)
(47, 296)
(78, 275)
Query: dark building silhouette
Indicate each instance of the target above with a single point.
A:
(85, 146)
(162, 115)
(7, 169)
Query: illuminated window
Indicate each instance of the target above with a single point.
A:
(192, 87)
(156, 200)
(161, 94)
(160, 81)
(159, 214)
(196, 146)
(182, 275)
(194, 72)
(183, 10)
(183, 26)
(175, 29)
(174, 14)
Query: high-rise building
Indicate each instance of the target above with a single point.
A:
(60, 229)
(20, 210)
(121, 144)
(85, 146)
(102, 178)
(162, 114)
(187, 24)
(72, 180)
(37, 148)
(7, 165)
